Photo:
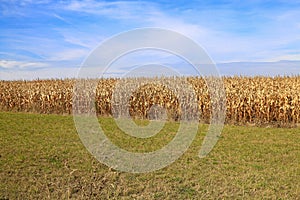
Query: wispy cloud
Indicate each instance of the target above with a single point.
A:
(11, 64)
(115, 9)
(62, 18)
(40, 73)
(70, 54)
(142, 13)
(260, 68)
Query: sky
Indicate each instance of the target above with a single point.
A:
(52, 39)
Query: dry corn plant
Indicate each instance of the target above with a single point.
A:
(254, 100)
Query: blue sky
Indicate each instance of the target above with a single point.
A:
(51, 39)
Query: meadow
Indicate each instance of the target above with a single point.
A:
(256, 157)
(42, 157)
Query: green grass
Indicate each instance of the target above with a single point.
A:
(42, 157)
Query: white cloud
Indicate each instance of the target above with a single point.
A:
(116, 9)
(159, 19)
(61, 18)
(77, 41)
(142, 13)
(68, 55)
(45, 73)
(86, 40)
(260, 68)
(11, 64)
(286, 57)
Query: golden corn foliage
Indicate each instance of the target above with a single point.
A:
(258, 100)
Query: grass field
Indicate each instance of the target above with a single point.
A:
(41, 156)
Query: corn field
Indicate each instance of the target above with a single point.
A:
(254, 100)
